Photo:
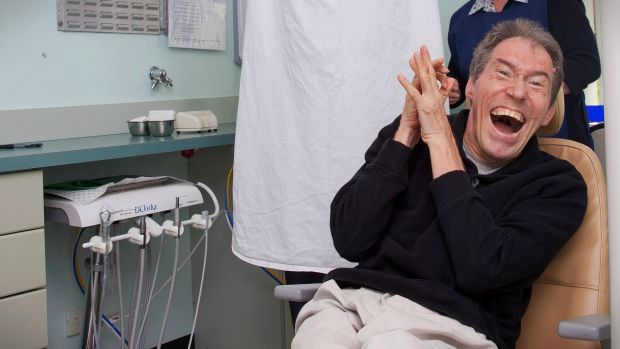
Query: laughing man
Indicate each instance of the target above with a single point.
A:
(452, 219)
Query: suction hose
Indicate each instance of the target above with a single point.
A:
(177, 223)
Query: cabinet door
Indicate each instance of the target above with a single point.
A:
(23, 262)
(23, 321)
(21, 201)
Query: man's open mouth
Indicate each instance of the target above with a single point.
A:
(506, 120)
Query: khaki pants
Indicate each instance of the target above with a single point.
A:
(364, 318)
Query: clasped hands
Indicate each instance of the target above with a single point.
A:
(423, 114)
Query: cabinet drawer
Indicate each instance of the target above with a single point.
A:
(23, 262)
(23, 321)
(21, 207)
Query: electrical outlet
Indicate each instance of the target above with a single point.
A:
(73, 324)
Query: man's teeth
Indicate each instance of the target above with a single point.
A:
(507, 112)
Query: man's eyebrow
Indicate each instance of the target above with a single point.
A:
(514, 67)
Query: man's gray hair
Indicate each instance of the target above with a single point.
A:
(526, 29)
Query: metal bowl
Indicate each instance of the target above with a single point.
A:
(162, 128)
(138, 128)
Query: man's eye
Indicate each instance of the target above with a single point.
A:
(503, 73)
(537, 84)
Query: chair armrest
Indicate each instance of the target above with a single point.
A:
(591, 327)
(296, 293)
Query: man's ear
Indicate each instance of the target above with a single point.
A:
(552, 120)
(556, 110)
(469, 88)
(549, 114)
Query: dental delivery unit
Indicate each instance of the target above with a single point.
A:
(102, 202)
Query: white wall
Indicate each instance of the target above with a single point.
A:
(610, 50)
(446, 9)
(99, 68)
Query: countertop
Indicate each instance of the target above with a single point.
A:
(96, 148)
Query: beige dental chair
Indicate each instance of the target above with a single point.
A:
(576, 283)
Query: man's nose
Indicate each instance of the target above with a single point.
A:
(518, 89)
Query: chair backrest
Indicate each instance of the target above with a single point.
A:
(576, 283)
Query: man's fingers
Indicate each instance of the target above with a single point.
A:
(409, 88)
(416, 80)
(426, 57)
(440, 70)
(434, 75)
(425, 71)
(413, 65)
(453, 86)
(448, 86)
(443, 80)
(439, 67)
(456, 84)
(404, 82)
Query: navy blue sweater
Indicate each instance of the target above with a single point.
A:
(466, 245)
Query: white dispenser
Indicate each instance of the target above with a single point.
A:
(195, 121)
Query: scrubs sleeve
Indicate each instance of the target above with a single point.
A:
(570, 27)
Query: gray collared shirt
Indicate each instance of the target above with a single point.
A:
(486, 6)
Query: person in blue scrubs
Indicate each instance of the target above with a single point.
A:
(567, 23)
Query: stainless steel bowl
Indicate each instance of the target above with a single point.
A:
(138, 128)
(161, 128)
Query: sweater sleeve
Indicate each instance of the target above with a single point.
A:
(362, 207)
(453, 66)
(494, 254)
(570, 27)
